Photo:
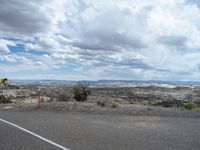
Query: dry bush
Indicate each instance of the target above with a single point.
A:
(101, 103)
(114, 105)
(81, 91)
(4, 99)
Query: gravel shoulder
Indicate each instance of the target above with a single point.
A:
(171, 130)
(126, 109)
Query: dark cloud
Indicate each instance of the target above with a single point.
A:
(87, 44)
(23, 17)
(138, 63)
(134, 63)
(99, 58)
(103, 40)
(175, 41)
(108, 30)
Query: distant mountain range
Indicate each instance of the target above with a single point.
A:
(91, 82)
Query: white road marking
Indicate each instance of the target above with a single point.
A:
(34, 134)
(7, 107)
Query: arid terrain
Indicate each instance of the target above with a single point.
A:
(109, 95)
(115, 116)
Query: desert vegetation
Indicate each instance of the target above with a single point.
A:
(114, 105)
(192, 106)
(101, 103)
(113, 96)
(81, 91)
(3, 85)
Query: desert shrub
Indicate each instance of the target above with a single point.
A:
(190, 105)
(101, 103)
(169, 103)
(98, 102)
(114, 105)
(42, 99)
(51, 99)
(81, 91)
(131, 102)
(4, 99)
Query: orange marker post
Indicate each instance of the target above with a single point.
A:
(39, 99)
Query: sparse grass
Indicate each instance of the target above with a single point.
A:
(63, 97)
(74, 105)
(197, 109)
(190, 106)
(42, 100)
(98, 102)
(132, 102)
(101, 103)
(114, 105)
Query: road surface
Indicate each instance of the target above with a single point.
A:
(84, 131)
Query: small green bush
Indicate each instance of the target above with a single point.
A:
(197, 109)
(4, 99)
(42, 100)
(132, 102)
(103, 104)
(115, 105)
(190, 105)
(100, 103)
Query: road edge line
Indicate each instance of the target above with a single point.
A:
(34, 134)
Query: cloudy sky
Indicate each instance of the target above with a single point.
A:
(100, 39)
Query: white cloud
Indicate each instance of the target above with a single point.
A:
(147, 39)
(4, 46)
(4, 49)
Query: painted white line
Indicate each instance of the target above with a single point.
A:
(34, 134)
(7, 107)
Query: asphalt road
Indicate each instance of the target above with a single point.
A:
(84, 131)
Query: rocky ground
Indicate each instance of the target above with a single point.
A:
(111, 96)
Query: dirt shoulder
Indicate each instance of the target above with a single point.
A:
(126, 109)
